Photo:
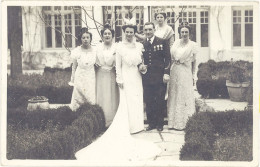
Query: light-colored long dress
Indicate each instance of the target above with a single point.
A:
(181, 102)
(84, 78)
(107, 89)
(166, 32)
(127, 58)
(116, 146)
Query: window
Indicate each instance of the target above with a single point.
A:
(204, 28)
(114, 16)
(197, 16)
(191, 18)
(242, 26)
(62, 25)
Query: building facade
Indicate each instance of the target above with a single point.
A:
(50, 32)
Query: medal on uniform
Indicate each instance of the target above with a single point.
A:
(154, 48)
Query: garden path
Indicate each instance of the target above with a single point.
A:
(222, 104)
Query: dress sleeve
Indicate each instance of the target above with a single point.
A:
(74, 55)
(118, 66)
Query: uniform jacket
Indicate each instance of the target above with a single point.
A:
(157, 58)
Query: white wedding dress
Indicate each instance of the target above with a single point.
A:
(116, 145)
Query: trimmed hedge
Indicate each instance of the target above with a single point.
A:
(54, 86)
(67, 133)
(203, 129)
(212, 78)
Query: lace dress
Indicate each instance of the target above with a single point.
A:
(107, 89)
(84, 78)
(116, 146)
(181, 102)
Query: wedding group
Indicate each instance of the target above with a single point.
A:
(155, 75)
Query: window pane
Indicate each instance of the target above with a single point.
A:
(77, 31)
(249, 35)
(236, 35)
(58, 38)
(68, 37)
(193, 32)
(206, 14)
(204, 35)
(118, 33)
(234, 13)
(48, 37)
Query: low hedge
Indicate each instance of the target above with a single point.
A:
(212, 78)
(68, 133)
(54, 86)
(203, 129)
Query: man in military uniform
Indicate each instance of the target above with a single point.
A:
(155, 70)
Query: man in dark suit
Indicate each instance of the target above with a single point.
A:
(155, 70)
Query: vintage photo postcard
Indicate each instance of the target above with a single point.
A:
(130, 83)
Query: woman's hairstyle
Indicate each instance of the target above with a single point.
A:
(107, 27)
(130, 26)
(83, 31)
(160, 11)
(184, 24)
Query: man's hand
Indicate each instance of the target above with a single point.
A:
(143, 68)
(166, 78)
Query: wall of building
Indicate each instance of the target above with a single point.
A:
(35, 57)
(221, 37)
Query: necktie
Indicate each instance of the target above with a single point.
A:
(149, 43)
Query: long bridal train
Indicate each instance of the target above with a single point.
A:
(117, 144)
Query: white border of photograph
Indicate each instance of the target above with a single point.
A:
(4, 4)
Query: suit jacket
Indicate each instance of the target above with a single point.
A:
(157, 58)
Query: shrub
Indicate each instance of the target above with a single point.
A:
(212, 77)
(236, 148)
(208, 132)
(40, 119)
(29, 142)
(53, 70)
(54, 86)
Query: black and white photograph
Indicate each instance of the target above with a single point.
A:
(130, 83)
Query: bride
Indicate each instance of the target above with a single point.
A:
(117, 144)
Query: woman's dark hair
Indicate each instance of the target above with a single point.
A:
(83, 31)
(162, 13)
(130, 26)
(184, 24)
(107, 27)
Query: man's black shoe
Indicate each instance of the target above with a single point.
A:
(150, 128)
(160, 129)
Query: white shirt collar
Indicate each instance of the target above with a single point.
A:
(151, 39)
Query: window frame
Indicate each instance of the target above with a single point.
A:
(62, 12)
(242, 9)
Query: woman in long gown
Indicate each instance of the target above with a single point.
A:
(181, 102)
(83, 72)
(107, 89)
(116, 144)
